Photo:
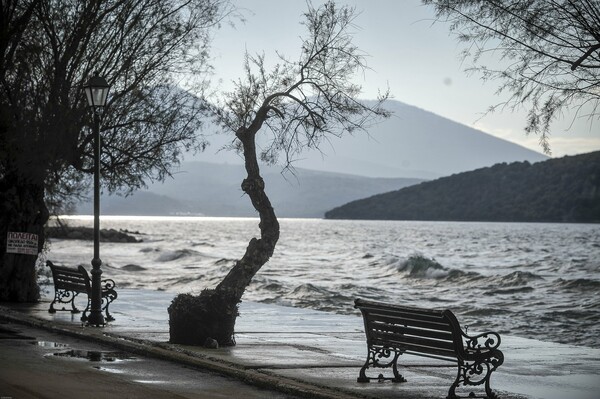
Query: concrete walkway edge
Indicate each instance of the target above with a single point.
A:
(308, 353)
(179, 354)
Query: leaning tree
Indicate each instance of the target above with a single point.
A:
(550, 52)
(297, 104)
(48, 50)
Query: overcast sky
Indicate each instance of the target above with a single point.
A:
(417, 57)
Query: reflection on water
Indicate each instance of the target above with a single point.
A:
(95, 356)
(49, 344)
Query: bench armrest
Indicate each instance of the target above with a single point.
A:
(108, 284)
(484, 341)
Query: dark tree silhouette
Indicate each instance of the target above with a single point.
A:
(298, 104)
(48, 50)
(550, 53)
(557, 190)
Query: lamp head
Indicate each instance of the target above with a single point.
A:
(96, 91)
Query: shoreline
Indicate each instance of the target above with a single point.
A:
(317, 354)
(86, 217)
(48, 288)
(509, 278)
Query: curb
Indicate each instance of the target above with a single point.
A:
(179, 354)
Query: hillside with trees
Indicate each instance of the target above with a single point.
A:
(558, 190)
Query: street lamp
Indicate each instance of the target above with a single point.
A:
(96, 91)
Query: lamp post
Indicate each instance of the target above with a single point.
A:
(96, 90)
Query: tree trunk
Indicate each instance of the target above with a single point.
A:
(211, 315)
(22, 209)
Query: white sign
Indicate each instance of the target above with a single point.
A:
(22, 243)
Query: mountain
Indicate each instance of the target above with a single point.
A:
(412, 143)
(558, 190)
(410, 146)
(201, 188)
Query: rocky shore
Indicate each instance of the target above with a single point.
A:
(87, 233)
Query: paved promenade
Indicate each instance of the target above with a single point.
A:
(280, 352)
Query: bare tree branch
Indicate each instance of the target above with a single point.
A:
(550, 52)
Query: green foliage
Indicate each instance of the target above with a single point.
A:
(557, 190)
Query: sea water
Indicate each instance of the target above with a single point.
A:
(538, 281)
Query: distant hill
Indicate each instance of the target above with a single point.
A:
(558, 190)
(412, 143)
(201, 188)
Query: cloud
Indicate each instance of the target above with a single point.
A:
(562, 146)
(561, 143)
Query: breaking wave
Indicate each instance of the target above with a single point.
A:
(582, 284)
(421, 267)
(418, 266)
(510, 277)
(516, 279)
(176, 255)
(133, 268)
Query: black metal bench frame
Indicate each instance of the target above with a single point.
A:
(69, 282)
(393, 330)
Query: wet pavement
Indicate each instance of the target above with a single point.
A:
(37, 363)
(280, 352)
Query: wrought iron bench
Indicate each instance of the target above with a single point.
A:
(393, 330)
(69, 282)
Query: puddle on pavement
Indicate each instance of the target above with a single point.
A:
(50, 344)
(95, 356)
(110, 369)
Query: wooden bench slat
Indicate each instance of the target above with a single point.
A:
(73, 287)
(69, 274)
(400, 340)
(437, 326)
(65, 270)
(69, 277)
(65, 277)
(76, 283)
(408, 316)
(70, 283)
(401, 329)
(62, 274)
(448, 340)
(375, 307)
(409, 313)
(416, 349)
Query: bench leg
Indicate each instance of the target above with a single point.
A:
(107, 297)
(380, 357)
(52, 310)
(64, 296)
(84, 316)
(476, 373)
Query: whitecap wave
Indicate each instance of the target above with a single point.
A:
(176, 255)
